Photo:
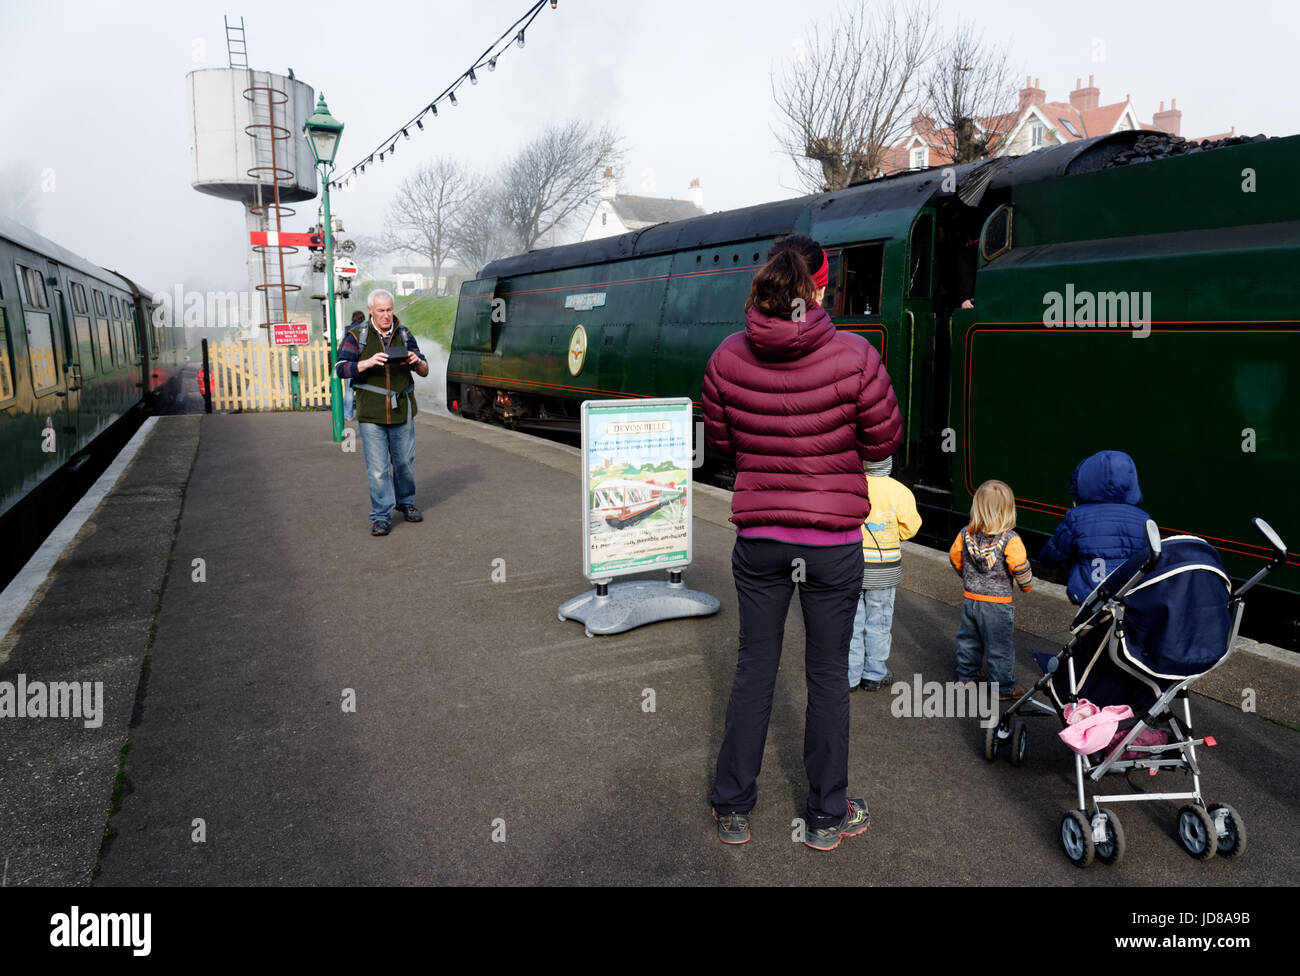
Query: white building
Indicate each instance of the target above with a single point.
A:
(618, 213)
(408, 279)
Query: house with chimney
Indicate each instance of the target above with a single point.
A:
(618, 213)
(1036, 124)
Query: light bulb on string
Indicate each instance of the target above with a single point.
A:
(419, 124)
(406, 134)
(519, 38)
(473, 78)
(452, 96)
(492, 64)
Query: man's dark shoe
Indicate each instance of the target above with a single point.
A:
(855, 821)
(1011, 695)
(379, 527)
(733, 828)
(872, 684)
(411, 513)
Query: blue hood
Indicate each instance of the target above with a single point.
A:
(1107, 476)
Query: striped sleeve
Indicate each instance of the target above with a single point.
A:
(349, 356)
(954, 553)
(1018, 563)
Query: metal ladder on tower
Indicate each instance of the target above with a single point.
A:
(236, 47)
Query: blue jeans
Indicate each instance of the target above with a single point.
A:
(379, 442)
(869, 646)
(987, 629)
(347, 400)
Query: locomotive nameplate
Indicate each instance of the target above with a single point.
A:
(586, 301)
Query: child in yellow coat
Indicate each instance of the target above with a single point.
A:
(893, 518)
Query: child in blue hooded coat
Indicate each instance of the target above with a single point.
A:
(1105, 526)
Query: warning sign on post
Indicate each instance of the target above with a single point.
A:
(291, 333)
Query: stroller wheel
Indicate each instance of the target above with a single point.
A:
(1076, 838)
(1232, 837)
(991, 742)
(1111, 850)
(1196, 832)
(1019, 739)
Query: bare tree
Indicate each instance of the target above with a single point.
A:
(481, 232)
(555, 177)
(850, 93)
(969, 91)
(423, 215)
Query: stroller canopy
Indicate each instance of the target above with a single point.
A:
(1176, 619)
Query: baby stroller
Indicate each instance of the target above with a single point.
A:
(1151, 628)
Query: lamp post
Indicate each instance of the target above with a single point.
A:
(323, 132)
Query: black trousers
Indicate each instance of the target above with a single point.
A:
(829, 580)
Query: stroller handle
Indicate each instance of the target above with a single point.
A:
(1279, 555)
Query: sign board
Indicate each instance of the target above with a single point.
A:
(586, 301)
(345, 269)
(636, 486)
(270, 238)
(291, 333)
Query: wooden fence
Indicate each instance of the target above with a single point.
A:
(256, 376)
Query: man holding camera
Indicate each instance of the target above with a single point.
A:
(378, 357)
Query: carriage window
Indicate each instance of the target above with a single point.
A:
(101, 332)
(918, 257)
(6, 360)
(79, 299)
(33, 288)
(995, 238)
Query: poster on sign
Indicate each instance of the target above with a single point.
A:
(636, 478)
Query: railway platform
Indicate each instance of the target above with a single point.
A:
(289, 701)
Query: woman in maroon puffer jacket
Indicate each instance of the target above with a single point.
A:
(801, 406)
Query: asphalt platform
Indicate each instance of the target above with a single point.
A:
(313, 706)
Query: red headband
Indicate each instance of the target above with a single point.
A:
(823, 275)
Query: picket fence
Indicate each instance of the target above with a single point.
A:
(256, 376)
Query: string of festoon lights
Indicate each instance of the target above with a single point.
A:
(514, 34)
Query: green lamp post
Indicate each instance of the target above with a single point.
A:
(323, 132)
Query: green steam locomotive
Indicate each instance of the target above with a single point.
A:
(1130, 292)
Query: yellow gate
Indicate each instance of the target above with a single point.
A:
(255, 376)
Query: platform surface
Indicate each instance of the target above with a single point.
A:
(491, 743)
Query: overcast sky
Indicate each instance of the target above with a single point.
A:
(95, 113)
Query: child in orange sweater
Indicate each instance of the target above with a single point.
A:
(990, 557)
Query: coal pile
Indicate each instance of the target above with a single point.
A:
(1160, 145)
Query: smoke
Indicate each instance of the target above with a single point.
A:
(431, 390)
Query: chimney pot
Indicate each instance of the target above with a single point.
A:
(1089, 81)
(1162, 106)
(1173, 104)
(1078, 82)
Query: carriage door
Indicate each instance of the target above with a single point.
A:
(918, 323)
(71, 354)
(43, 359)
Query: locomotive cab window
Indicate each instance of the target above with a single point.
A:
(995, 238)
(856, 273)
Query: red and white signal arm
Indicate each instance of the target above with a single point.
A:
(291, 333)
(345, 269)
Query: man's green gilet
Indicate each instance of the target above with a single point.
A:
(374, 407)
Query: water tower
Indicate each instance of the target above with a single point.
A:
(246, 145)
